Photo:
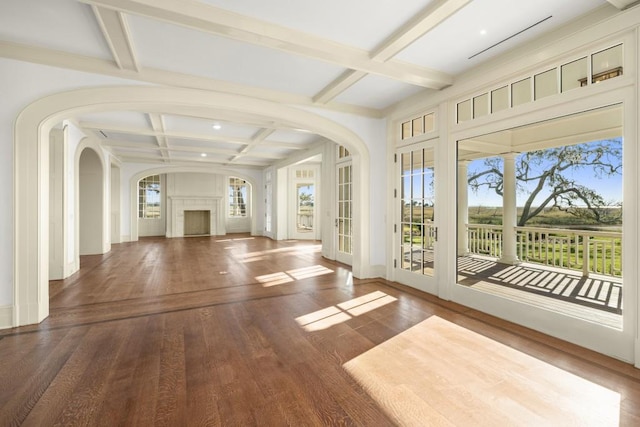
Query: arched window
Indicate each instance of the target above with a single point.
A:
(238, 197)
(149, 199)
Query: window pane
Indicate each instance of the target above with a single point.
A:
(418, 128)
(574, 74)
(464, 111)
(429, 122)
(500, 99)
(546, 83)
(521, 92)
(237, 197)
(406, 130)
(149, 197)
(481, 105)
(606, 64)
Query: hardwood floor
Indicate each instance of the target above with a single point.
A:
(248, 331)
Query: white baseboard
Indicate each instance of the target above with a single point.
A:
(6, 317)
(378, 271)
(124, 239)
(70, 269)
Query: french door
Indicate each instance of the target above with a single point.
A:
(344, 218)
(415, 227)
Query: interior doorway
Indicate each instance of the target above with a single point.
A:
(90, 203)
(304, 191)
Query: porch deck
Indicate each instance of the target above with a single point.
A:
(595, 298)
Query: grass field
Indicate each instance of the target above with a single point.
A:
(549, 218)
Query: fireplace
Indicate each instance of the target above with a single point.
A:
(192, 216)
(197, 222)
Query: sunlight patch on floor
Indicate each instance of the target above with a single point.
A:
(252, 259)
(306, 272)
(274, 279)
(330, 316)
(289, 276)
(234, 240)
(285, 251)
(439, 373)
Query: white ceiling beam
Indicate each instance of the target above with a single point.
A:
(263, 134)
(72, 61)
(623, 4)
(220, 22)
(120, 145)
(183, 135)
(171, 134)
(200, 160)
(157, 123)
(483, 146)
(282, 144)
(339, 85)
(115, 30)
(256, 139)
(430, 17)
(123, 146)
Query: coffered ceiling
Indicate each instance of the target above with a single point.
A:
(354, 56)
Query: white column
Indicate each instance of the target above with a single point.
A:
(463, 208)
(56, 205)
(509, 211)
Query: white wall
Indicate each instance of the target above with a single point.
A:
(374, 134)
(73, 135)
(56, 204)
(114, 221)
(22, 83)
(196, 186)
(91, 208)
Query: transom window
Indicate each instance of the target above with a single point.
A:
(422, 124)
(605, 64)
(343, 153)
(238, 197)
(149, 199)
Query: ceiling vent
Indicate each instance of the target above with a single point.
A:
(511, 36)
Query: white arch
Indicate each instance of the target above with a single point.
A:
(31, 168)
(133, 187)
(87, 143)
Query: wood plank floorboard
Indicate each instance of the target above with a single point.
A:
(242, 331)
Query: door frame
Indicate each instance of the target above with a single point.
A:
(425, 283)
(343, 257)
(292, 207)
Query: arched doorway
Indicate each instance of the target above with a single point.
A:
(90, 203)
(32, 157)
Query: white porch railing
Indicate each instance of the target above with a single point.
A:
(305, 221)
(587, 251)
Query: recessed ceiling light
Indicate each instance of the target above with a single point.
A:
(203, 154)
(483, 32)
(217, 126)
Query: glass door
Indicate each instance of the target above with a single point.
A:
(344, 224)
(303, 207)
(305, 202)
(415, 228)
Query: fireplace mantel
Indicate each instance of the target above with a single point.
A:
(178, 204)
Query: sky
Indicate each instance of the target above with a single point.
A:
(608, 186)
